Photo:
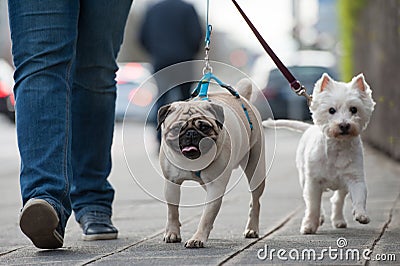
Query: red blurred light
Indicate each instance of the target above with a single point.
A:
(3, 91)
(140, 97)
(239, 58)
(130, 71)
(12, 99)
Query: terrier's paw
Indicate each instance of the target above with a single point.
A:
(194, 243)
(172, 237)
(249, 233)
(362, 218)
(339, 224)
(321, 219)
(308, 230)
(309, 227)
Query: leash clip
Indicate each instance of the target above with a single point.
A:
(300, 90)
(207, 68)
(308, 97)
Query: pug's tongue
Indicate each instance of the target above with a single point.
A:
(189, 149)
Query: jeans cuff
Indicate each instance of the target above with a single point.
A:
(83, 211)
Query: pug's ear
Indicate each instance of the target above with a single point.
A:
(219, 114)
(162, 114)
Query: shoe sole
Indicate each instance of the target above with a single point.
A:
(38, 221)
(93, 237)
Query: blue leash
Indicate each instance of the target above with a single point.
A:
(208, 26)
(201, 90)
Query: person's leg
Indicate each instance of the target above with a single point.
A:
(185, 89)
(178, 93)
(100, 34)
(44, 38)
(163, 99)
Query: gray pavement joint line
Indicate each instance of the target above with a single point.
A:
(384, 228)
(123, 248)
(273, 230)
(160, 232)
(11, 251)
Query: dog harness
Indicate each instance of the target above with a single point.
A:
(201, 90)
(201, 93)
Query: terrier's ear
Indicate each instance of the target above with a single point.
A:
(325, 80)
(162, 114)
(358, 82)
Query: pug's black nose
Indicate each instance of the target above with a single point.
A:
(191, 133)
(344, 127)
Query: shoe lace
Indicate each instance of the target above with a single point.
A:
(95, 217)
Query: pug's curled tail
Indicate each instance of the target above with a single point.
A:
(244, 88)
(289, 124)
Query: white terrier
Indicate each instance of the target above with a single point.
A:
(330, 153)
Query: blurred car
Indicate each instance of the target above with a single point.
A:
(284, 103)
(7, 102)
(136, 91)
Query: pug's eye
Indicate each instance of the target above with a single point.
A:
(332, 110)
(205, 127)
(353, 110)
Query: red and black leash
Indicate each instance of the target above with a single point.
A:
(294, 83)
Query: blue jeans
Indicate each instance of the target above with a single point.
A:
(65, 57)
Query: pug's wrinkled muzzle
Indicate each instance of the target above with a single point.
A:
(189, 144)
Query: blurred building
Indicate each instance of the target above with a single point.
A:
(315, 24)
(376, 38)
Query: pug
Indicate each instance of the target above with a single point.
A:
(204, 141)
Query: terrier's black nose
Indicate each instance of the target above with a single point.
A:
(344, 127)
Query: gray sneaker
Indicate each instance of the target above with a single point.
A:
(39, 222)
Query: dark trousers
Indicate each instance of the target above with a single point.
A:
(178, 93)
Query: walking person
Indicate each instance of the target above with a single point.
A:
(65, 57)
(171, 33)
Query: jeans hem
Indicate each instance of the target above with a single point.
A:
(83, 211)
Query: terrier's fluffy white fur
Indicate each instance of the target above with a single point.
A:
(330, 153)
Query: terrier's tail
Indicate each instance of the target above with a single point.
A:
(289, 124)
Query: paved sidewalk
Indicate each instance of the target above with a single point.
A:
(141, 218)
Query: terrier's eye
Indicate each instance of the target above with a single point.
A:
(332, 110)
(353, 110)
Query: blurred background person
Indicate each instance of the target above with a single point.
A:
(170, 33)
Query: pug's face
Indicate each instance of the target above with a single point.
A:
(191, 128)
